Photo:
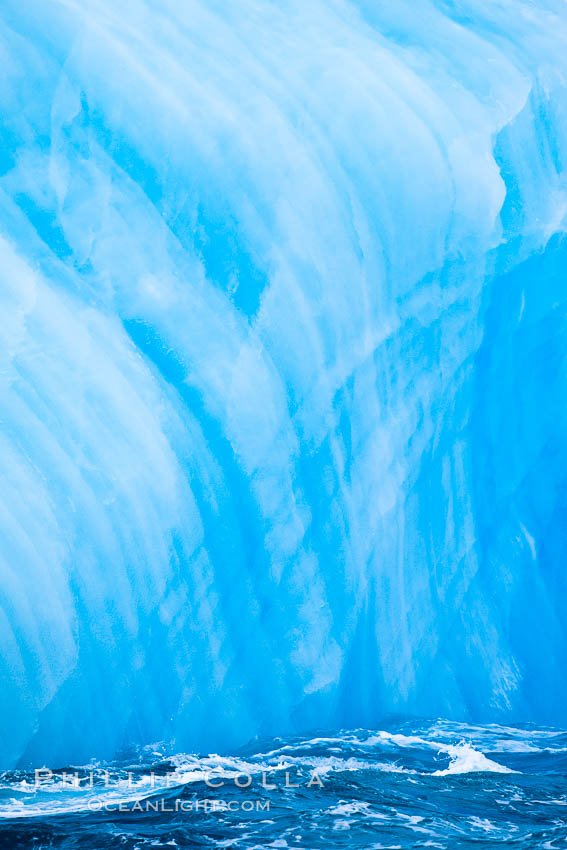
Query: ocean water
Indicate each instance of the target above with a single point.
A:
(435, 784)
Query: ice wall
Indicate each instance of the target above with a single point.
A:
(282, 368)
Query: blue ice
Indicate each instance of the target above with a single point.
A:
(283, 377)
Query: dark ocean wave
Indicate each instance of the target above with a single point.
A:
(411, 784)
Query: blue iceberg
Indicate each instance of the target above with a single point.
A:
(283, 376)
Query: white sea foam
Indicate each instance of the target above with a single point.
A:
(465, 759)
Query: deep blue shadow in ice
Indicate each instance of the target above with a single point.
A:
(518, 433)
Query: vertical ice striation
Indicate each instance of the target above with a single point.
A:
(283, 385)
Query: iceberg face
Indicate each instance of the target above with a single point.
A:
(283, 379)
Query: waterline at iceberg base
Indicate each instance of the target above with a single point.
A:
(283, 387)
(408, 786)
